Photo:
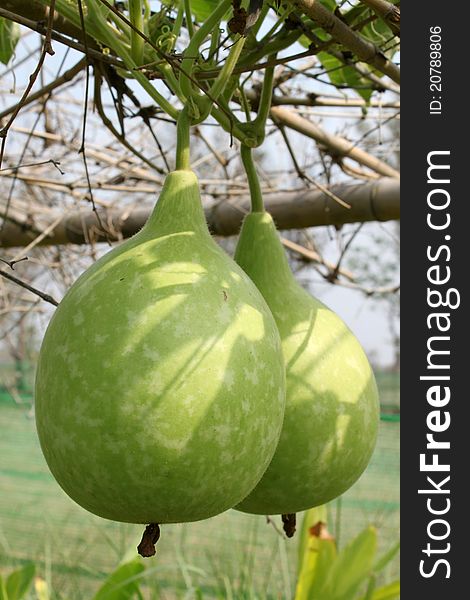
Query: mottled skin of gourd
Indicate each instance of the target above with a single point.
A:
(332, 412)
(160, 388)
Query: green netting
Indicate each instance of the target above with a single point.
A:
(221, 556)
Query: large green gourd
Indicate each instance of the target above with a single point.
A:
(331, 417)
(160, 388)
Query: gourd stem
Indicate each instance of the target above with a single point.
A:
(182, 141)
(179, 20)
(257, 204)
(265, 102)
(137, 19)
(226, 72)
(189, 18)
(215, 38)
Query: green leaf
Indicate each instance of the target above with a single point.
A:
(352, 566)
(344, 76)
(9, 36)
(386, 558)
(3, 591)
(377, 32)
(370, 588)
(201, 9)
(387, 592)
(311, 517)
(316, 555)
(19, 582)
(122, 584)
(327, 557)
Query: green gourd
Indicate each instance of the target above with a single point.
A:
(160, 387)
(332, 410)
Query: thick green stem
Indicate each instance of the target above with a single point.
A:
(264, 102)
(189, 18)
(204, 103)
(178, 21)
(162, 102)
(257, 204)
(244, 103)
(147, 10)
(232, 125)
(137, 19)
(279, 43)
(215, 38)
(192, 51)
(172, 81)
(182, 141)
(222, 79)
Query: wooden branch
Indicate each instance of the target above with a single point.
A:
(336, 145)
(314, 100)
(28, 287)
(371, 201)
(366, 51)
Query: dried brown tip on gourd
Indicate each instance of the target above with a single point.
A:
(288, 523)
(150, 537)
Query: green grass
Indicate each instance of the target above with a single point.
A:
(230, 556)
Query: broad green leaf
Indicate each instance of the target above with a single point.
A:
(383, 561)
(387, 592)
(352, 566)
(370, 588)
(306, 575)
(310, 518)
(378, 32)
(345, 76)
(316, 555)
(122, 584)
(203, 8)
(327, 557)
(19, 582)
(200, 9)
(3, 591)
(9, 36)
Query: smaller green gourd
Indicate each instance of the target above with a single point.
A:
(332, 411)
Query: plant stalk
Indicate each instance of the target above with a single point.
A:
(182, 141)
(137, 19)
(219, 84)
(189, 18)
(178, 21)
(257, 204)
(265, 102)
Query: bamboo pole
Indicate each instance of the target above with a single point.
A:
(372, 201)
